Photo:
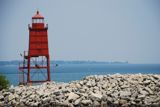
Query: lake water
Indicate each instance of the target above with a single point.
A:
(71, 72)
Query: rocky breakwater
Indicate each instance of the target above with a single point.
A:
(129, 90)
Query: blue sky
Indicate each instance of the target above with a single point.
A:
(100, 30)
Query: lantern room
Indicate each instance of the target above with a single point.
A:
(38, 20)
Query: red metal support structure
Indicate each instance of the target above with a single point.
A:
(37, 59)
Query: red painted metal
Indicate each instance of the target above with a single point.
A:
(38, 47)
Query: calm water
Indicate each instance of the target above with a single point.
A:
(70, 72)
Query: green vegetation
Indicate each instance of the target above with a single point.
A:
(4, 83)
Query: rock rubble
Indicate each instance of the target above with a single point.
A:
(127, 90)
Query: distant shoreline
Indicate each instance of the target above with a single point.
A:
(16, 62)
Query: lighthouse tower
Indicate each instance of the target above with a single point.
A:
(36, 61)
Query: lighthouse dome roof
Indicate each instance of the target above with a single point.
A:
(37, 16)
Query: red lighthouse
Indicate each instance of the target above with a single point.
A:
(36, 62)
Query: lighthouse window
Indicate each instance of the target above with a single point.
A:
(37, 20)
(41, 20)
(34, 21)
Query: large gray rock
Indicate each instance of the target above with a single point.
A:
(146, 82)
(46, 100)
(77, 102)
(1, 97)
(86, 102)
(125, 94)
(148, 90)
(96, 103)
(143, 92)
(94, 96)
(141, 96)
(123, 102)
(57, 93)
(89, 84)
(105, 85)
(72, 96)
